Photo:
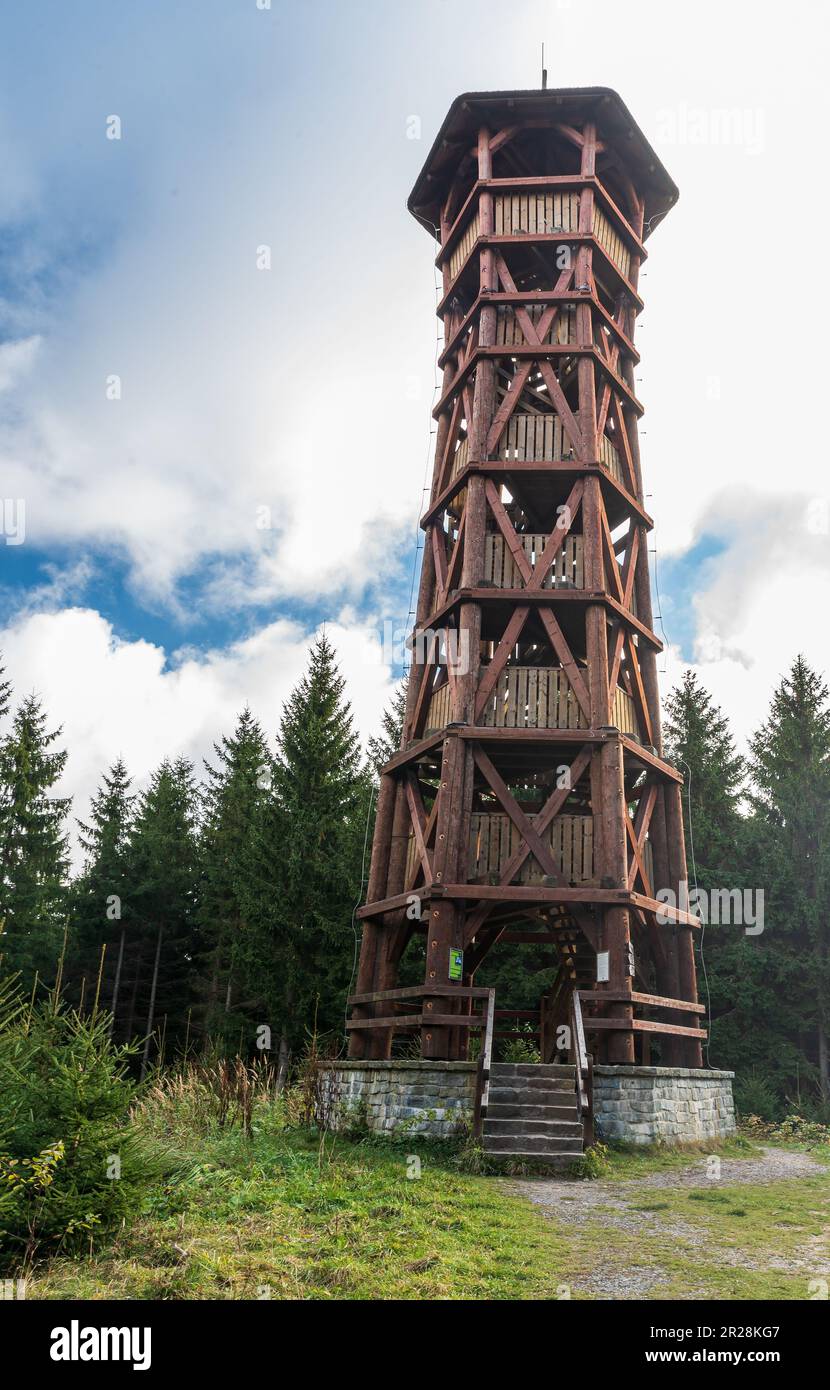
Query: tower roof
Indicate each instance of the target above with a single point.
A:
(469, 111)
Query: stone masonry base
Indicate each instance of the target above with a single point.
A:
(401, 1097)
(671, 1105)
(640, 1105)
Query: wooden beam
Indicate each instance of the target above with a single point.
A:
(654, 1001)
(418, 991)
(407, 1022)
(640, 1025)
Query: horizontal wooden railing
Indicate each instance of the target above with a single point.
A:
(460, 457)
(533, 697)
(623, 713)
(464, 245)
(611, 243)
(494, 839)
(541, 438)
(501, 570)
(509, 330)
(610, 458)
(379, 1010)
(385, 1003)
(528, 438)
(521, 214)
(526, 214)
(540, 214)
(598, 1022)
(440, 707)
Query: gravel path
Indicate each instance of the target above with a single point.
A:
(572, 1195)
(617, 1204)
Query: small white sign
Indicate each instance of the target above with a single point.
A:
(603, 958)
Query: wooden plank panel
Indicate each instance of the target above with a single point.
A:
(532, 698)
(521, 437)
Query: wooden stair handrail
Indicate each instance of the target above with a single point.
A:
(580, 1055)
(485, 1057)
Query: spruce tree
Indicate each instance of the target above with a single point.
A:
(33, 845)
(164, 907)
(101, 893)
(231, 793)
(5, 801)
(790, 767)
(303, 874)
(5, 694)
(700, 743)
(732, 968)
(381, 747)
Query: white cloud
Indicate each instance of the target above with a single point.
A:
(238, 388)
(757, 607)
(62, 586)
(117, 698)
(289, 387)
(16, 358)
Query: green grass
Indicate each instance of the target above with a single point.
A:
(640, 1160)
(283, 1215)
(746, 1241)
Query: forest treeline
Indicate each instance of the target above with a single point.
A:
(219, 901)
(223, 895)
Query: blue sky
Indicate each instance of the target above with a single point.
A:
(149, 600)
(211, 97)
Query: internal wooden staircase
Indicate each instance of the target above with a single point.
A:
(533, 1112)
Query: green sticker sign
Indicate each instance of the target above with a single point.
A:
(456, 964)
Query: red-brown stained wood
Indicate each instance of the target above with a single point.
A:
(537, 421)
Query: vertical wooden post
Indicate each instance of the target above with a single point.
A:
(616, 926)
(443, 923)
(385, 958)
(378, 871)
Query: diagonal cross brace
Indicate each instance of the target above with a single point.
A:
(551, 808)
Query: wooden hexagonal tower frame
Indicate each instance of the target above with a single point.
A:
(530, 800)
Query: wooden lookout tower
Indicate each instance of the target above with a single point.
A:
(530, 800)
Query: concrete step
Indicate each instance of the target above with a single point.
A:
(529, 1081)
(568, 1129)
(532, 1093)
(549, 1069)
(554, 1161)
(566, 1110)
(531, 1143)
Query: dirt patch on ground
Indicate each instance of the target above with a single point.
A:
(622, 1204)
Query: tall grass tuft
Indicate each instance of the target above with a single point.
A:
(206, 1095)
